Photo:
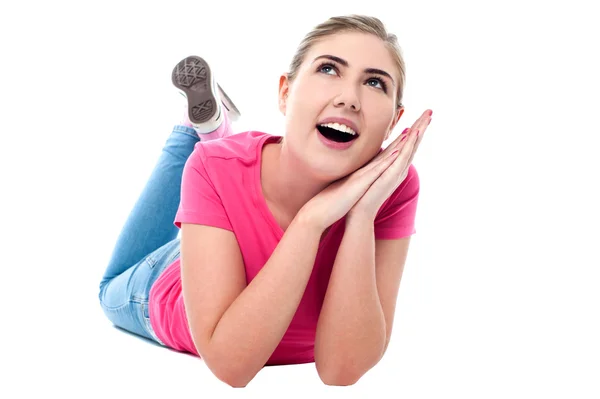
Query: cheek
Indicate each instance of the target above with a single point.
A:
(302, 106)
(380, 120)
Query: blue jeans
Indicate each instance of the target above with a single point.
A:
(148, 242)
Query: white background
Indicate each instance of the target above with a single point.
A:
(500, 293)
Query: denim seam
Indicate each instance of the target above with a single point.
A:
(152, 259)
(114, 307)
(138, 299)
(186, 130)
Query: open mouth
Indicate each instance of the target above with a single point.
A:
(336, 135)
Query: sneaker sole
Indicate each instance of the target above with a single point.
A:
(192, 76)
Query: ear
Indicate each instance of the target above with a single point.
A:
(397, 116)
(284, 88)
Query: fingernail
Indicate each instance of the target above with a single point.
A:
(394, 153)
(417, 133)
(404, 131)
(403, 138)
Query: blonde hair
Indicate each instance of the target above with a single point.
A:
(352, 23)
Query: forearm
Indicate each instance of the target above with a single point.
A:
(252, 327)
(351, 329)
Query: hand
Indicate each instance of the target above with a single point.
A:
(337, 199)
(381, 189)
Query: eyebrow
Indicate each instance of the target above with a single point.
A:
(345, 63)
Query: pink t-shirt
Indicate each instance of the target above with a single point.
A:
(221, 187)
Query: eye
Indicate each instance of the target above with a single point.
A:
(328, 69)
(373, 82)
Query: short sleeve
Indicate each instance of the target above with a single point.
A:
(396, 217)
(200, 202)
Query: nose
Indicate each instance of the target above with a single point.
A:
(348, 98)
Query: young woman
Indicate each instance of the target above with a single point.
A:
(292, 247)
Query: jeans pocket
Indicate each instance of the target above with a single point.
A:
(147, 324)
(145, 310)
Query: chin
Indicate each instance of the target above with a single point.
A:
(326, 170)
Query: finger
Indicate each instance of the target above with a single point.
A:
(420, 127)
(396, 144)
(377, 166)
(409, 146)
(398, 163)
(417, 143)
(400, 142)
(424, 116)
(407, 151)
(420, 124)
(422, 130)
(362, 181)
(385, 164)
(416, 125)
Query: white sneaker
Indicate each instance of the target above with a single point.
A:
(194, 79)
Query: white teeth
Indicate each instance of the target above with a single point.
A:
(340, 127)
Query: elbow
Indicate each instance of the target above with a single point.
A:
(233, 381)
(230, 371)
(340, 377)
(343, 372)
(232, 377)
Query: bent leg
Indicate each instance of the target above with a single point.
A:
(150, 223)
(148, 240)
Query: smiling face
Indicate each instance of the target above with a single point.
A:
(347, 77)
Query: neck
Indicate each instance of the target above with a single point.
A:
(286, 182)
